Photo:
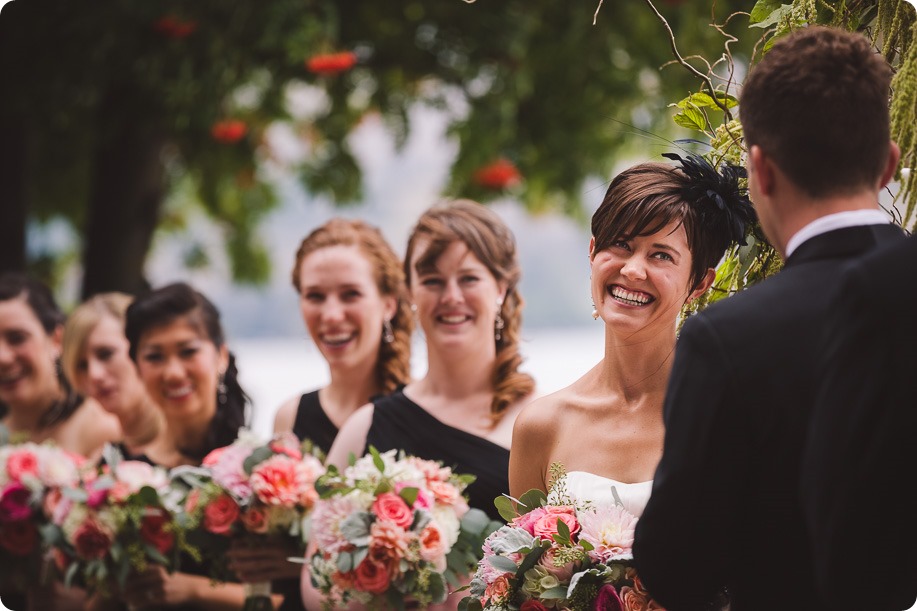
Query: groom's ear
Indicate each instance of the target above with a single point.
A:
(708, 279)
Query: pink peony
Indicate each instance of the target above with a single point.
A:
(15, 503)
(21, 462)
(288, 444)
(389, 506)
(279, 480)
(226, 467)
(610, 530)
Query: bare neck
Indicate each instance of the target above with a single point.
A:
(349, 389)
(27, 418)
(638, 364)
(458, 375)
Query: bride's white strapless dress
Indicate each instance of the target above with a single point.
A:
(588, 487)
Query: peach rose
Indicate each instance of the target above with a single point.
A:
(633, 600)
(220, 514)
(433, 545)
(389, 506)
(444, 492)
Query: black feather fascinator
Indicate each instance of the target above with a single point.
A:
(716, 194)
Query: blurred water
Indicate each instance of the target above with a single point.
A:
(273, 370)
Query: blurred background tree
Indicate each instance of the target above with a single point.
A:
(123, 117)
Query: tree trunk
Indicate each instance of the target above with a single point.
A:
(126, 196)
(12, 194)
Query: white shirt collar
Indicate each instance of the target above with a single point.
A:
(838, 220)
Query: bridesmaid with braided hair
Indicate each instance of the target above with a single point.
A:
(353, 302)
(462, 274)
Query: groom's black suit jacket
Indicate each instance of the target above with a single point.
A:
(860, 464)
(725, 508)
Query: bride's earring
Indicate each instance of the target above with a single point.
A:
(595, 312)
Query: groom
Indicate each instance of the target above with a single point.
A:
(725, 511)
(860, 458)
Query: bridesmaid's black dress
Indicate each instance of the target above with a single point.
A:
(399, 423)
(313, 423)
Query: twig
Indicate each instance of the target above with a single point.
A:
(705, 78)
(594, 16)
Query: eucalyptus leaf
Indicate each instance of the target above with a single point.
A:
(556, 593)
(355, 528)
(505, 508)
(533, 499)
(513, 541)
(377, 459)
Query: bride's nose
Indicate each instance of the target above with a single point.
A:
(634, 268)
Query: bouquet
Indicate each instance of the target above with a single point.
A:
(559, 555)
(251, 491)
(121, 521)
(390, 528)
(31, 476)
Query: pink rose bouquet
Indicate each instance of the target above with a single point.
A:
(253, 491)
(119, 521)
(557, 555)
(31, 476)
(391, 528)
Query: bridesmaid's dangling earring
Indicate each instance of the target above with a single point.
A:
(498, 322)
(388, 335)
(221, 390)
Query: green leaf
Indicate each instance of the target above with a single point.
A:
(774, 17)
(692, 118)
(71, 573)
(502, 563)
(705, 100)
(762, 9)
(475, 521)
(563, 533)
(505, 508)
(345, 561)
(258, 456)
(437, 587)
(377, 459)
(558, 593)
(409, 495)
(532, 499)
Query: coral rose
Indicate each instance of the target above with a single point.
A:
(498, 589)
(389, 506)
(220, 514)
(255, 520)
(155, 531)
(372, 576)
(433, 546)
(546, 526)
(91, 541)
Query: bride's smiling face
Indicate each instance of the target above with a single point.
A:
(644, 281)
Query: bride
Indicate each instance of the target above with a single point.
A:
(655, 240)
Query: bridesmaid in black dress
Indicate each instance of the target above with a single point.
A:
(462, 274)
(178, 344)
(354, 305)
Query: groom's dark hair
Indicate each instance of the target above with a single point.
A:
(817, 104)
